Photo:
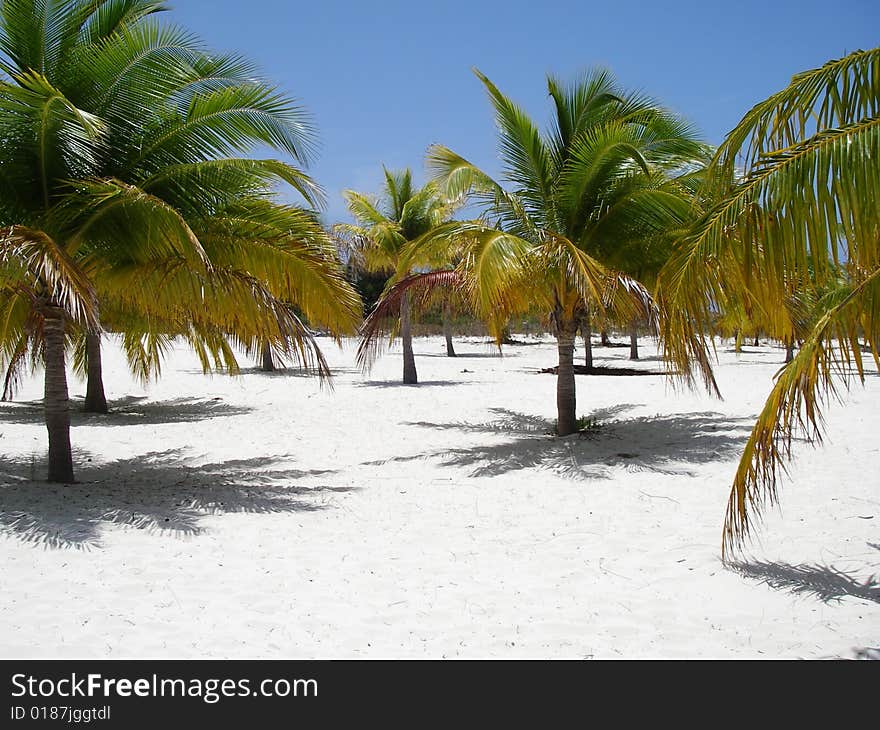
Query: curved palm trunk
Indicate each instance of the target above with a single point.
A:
(410, 377)
(566, 398)
(447, 330)
(633, 343)
(268, 364)
(96, 401)
(56, 404)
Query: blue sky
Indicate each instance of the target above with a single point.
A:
(385, 79)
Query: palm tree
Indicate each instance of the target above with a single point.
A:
(599, 177)
(404, 214)
(803, 211)
(41, 290)
(115, 141)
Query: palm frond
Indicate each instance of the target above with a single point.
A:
(528, 163)
(421, 289)
(46, 137)
(34, 264)
(117, 222)
(214, 183)
(831, 353)
(834, 95)
(228, 121)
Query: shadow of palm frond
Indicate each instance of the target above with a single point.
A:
(162, 492)
(826, 583)
(464, 355)
(661, 444)
(401, 384)
(281, 371)
(128, 411)
(507, 422)
(519, 423)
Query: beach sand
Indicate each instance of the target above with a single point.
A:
(264, 516)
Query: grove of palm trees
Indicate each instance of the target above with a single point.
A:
(249, 412)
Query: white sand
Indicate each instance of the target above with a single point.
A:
(259, 516)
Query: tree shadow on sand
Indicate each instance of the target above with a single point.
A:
(401, 384)
(824, 582)
(660, 444)
(161, 492)
(128, 411)
(465, 355)
(281, 371)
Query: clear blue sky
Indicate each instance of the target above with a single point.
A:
(385, 79)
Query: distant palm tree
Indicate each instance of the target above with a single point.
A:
(385, 228)
(803, 211)
(600, 177)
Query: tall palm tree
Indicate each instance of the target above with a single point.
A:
(116, 136)
(385, 227)
(600, 176)
(803, 211)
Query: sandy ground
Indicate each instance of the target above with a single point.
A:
(263, 516)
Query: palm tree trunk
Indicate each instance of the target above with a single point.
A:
(566, 397)
(738, 342)
(447, 329)
(96, 401)
(268, 364)
(56, 404)
(789, 351)
(633, 343)
(410, 377)
(587, 334)
(604, 336)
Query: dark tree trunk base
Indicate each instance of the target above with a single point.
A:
(447, 330)
(268, 363)
(588, 344)
(56, 402)
(410, 376)
(96, 400)
(566, 391)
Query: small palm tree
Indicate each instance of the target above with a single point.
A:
(385, 228)
(804, 211)
(41, 290)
